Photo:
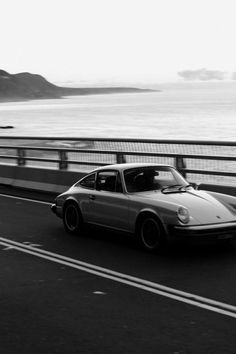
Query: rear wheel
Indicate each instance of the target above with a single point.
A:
(72, 218)
(150, 234)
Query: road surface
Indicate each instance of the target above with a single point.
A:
(100, 293)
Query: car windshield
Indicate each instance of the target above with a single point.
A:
(152, 178)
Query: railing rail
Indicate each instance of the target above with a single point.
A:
(194, 159)
(138, 140)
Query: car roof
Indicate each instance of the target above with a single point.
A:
(126, 166)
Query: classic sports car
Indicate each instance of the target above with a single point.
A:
(153, 202)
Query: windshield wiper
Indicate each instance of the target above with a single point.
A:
(180, 187)
(184, 187)
(171, 186)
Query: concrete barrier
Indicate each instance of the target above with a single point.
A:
(231, 190)
(57, 181)
(39, 179)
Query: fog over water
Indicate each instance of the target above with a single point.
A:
(184, 110)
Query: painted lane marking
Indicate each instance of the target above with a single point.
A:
(8, 248)
(25, 199)
(188, 298)
(32, 244)
(25, 243)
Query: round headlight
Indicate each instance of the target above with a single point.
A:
(183, 215)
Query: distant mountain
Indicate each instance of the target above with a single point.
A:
(26, 86)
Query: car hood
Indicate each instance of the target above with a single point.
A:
(203, 207)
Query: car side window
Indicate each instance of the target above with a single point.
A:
(88, 182)
(109, 181)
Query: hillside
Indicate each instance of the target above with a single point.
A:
(26, 86)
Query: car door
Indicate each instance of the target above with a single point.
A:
(83, 191)
(109, 206)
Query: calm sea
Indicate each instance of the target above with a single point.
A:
(202, 110)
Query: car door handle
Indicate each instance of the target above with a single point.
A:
(92, 197)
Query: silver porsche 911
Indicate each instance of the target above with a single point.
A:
(153, 202)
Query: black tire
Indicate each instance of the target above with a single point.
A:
(72, 218)
(150, 234)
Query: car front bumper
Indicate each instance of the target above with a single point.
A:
(208, 232)
(56, 210)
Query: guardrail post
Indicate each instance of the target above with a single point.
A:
(120, 158)
(63, 163)
(21, 155)
(180, 165)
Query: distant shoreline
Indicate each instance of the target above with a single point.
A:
(82, 92)
(27, 86)
(78, 92)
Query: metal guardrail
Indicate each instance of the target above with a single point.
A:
(204, 161)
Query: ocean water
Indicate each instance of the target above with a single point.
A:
(193, 111)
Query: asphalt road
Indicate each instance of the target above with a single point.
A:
(99, 293)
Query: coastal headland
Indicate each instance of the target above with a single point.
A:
(27, 86)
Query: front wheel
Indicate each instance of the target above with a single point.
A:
(150, 234)
(72, 218)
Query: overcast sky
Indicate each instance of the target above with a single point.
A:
(116, 39)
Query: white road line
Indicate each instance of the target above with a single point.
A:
(25, 199)
(188, 298)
